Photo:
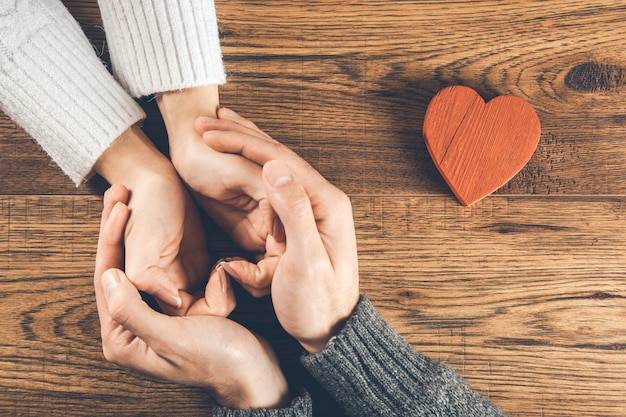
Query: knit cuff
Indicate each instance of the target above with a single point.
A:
(163, 45)
(371, 370)
(55, 87)
(300, 406)
(353, 366)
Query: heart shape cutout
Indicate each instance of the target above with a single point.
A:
(476, 146)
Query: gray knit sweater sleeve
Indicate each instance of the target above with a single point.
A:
(371, 370)
(301, 406)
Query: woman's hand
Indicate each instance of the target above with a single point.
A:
(166, 256)
(228, 187)
(312, 248)
(236, 366)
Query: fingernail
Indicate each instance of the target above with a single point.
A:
(116, 208)
(110, 282)
(168, 297)
(231, 271)
(277, 173)
(223, 280)
(220, 263)
(107, 193)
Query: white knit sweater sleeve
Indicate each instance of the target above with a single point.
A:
(163, 45)
(55, 87)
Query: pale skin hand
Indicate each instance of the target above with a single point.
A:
(315, 287)
(227, 187)
(165, 256)
(237, 367)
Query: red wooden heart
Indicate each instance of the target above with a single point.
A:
(479, 147)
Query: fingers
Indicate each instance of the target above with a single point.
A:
(108, 278)
(233, 120)
(244, 225)
(110, 251)
(230, 135)
(272, 223)
(219, 296)
(130, 328)
(256, 279)
(115, 193)
(292, 205)
(230, 132)
(159, 283)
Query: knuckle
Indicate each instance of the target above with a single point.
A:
(225, 310)
(278, 147)
(117, 311)
(339, 200)
(112, 352)
(259, 292)
(299, 205)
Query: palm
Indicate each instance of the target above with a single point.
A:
(163, 245)
(195, 353)
(227, 187)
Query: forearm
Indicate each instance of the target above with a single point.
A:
(55, 87)
(371, 370)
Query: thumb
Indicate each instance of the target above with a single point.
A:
(125, 306)
(292, 205)
(219, 296)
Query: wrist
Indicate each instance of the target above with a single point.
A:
(272, 395)
(130, 157)
(262, 386)
(319, 343)
(181, 108)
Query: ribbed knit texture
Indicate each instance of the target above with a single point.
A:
(371, 371)
(300, 406)
(163, 45)
(55, 87)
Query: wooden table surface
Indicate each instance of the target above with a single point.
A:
(523, 293)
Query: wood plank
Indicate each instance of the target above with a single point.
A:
(522, 293)
(521, 296)
(51, 361)
(355, 80)
(357, 85)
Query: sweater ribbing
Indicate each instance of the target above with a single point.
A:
(372, 371)
(163, 45)
(55, 87)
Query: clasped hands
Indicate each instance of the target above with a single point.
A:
(271, 202)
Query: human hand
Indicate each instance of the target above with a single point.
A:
(228, 187)
(315, 286)
(165, 255)
(236, 366)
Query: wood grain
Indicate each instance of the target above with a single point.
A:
(500, 292)
(522, 293)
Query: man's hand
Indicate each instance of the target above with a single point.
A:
(237, 367)
(315, 286)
